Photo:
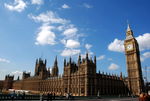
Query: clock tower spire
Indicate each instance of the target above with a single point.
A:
(135, 80)
(129, 33)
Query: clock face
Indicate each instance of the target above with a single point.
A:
(129, 46)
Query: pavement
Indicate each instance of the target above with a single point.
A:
(114, 99)
(106, 99)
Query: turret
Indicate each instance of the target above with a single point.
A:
(64, 62)
(99, 72)
(55, 68)
(25, 75)
(40, 66)
(95, 60)
(36, 61)
(45, 61)
(8, 82)
(55, 63)
(9, 77)
(87, 58)
(121, 76)
(79, 59)
(48, 72)
(70, 60)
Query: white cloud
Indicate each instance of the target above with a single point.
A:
(145, 56)
(142, 59)
(70, 52)
(72, 44)
(65, 6)
(45, 35)
(87, 5)
(70, 32)
(83, 56)
(60, 28)
(18, 5)
(88, 46)
(116, 45)
(89, 54)
(110, 59)
(143, 41)
(4, 60)
(101, 57)
(113, 66)
(16, 74)
(37, 2)
(51, 23)
(48, 17)
(71, 40)
(63, 41)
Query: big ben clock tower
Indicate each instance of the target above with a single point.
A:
(135, 80)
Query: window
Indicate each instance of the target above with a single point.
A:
(82, 90)
(65, 90)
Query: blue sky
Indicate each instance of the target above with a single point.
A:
(31, 29)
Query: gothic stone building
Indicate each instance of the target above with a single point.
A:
(135, 80)
(81, 78)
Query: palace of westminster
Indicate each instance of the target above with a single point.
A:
(81, 78)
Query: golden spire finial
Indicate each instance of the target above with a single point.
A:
(128, 26)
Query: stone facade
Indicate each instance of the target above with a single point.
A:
(8, 82)
(80, 79)
(135, 80)
(1, 85)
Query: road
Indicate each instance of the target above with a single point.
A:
(112, 99)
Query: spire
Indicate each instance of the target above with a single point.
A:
(45, 61)
(87, 56)
(48, 72)
(129, 31)
(36, 61)
(55, 63)
(99, 72)
(79, 59)
(120, 75)
(95, 59)
(64, 62)
(70, 60)
(128, 27)
(39, 59)
(48, 69)
(55, 68)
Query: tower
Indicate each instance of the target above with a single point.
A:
(8, 82)
(25, 75)
(55, 68)
(135, 80)
(87, 70)
(40, 68)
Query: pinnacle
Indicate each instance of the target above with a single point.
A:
(128, 27)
